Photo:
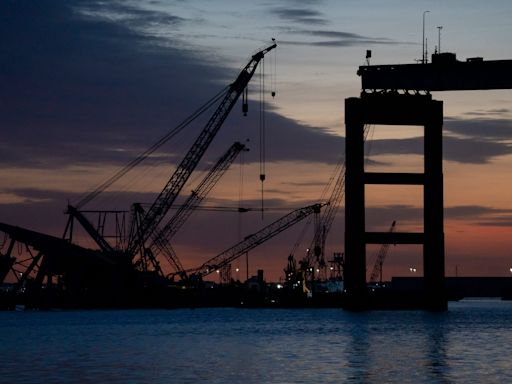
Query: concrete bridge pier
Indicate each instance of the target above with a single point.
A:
(394, 109)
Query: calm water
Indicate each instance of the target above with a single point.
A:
(469, 344)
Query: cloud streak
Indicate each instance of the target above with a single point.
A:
(307, 16)
(483, 129)
(337, 39)
(475, 141)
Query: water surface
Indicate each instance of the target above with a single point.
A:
(469, 343)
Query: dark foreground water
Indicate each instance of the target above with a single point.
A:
(471, 343)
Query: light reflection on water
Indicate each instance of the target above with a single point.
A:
(469, 343)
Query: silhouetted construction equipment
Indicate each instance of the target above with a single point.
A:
(145, 224)
(131, 262)
(314, 260)
(376, 275)
(251, 241)
(161, 239)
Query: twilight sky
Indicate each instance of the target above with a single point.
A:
(88, 85)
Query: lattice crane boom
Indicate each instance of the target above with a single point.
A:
(163, 202)
(254, 240)
(198, 194)
(160, 240)
(379, 261)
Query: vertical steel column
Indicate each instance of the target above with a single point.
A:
(355, 247)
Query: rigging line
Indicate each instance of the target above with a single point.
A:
(240, 195)
(240, 200)
(273, 78)
(262, 133)
(230, 208)
(369, 130)
(154, 168)
(123, 171)
(332, 179)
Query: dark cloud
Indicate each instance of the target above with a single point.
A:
(474, 141)
(480, 215)
(338, 43)
(335, 38)
(382, 217)
(300, 15)
(83, 85)
(80, 88)
(489, 112)
(467, 211)
(497, 222)
(461, 150)
(379, 217)
(480, 128)
(336, 34)
(473, 151)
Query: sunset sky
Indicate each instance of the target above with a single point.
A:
(85, 86)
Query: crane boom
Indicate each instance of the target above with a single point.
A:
(383, 251)
(198, 194)
(327, 218)
(161, 238)
(163, 202)
(159, 246)
(251, 241)
(335, 201)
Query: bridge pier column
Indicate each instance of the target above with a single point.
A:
(394, 109)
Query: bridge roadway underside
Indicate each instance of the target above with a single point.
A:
(394, 109)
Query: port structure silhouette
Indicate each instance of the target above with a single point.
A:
(400, 95)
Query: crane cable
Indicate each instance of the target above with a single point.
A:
(240, 196)
(273, 78)
(262, 132)
(336, 175)
(369, 130)
(144, 155)
(240, 202)
(262, 122)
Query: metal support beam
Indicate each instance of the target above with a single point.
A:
(394, 238)
(445, 73)
(391, 178)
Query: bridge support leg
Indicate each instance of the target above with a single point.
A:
(394, 109)
(433, 247)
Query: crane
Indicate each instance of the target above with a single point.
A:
(147, 222)
(198, 194)
(379, 261)
(323, 226)
(165, 199)
(116, 264)
(89, 228)
(251, 241)
(161, 238)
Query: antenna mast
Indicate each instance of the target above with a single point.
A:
(439, 38)
(423, 51)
